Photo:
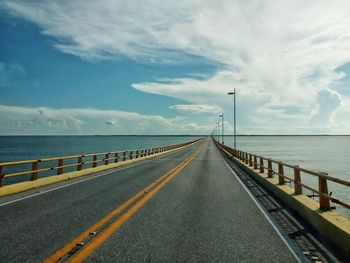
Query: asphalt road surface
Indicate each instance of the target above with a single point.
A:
(197, 212)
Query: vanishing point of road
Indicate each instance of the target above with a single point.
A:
(185, 206)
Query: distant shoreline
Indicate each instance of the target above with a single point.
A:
(181, 135)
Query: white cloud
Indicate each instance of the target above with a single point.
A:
(197, 108)
(90, 121)
(328, 101)
(280, 55)
(112, 122)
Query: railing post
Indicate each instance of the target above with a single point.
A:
(269, 168)
(297, 181)
(255, 162)
(280, 173)
(137, 153)
(323, 188)
(94, 160)
(60, 164)
(106, 158)
(250, 160)
(1, 175)
(116, 157)
(246, 158)
(80, 163)
(261, 165)
(34, 174)
(130, 155)
(124, 155)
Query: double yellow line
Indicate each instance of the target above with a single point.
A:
(126, 210)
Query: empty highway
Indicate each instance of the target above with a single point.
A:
(185, 206)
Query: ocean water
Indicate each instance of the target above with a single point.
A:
(330, 154)
(18, 148)
(15, 148)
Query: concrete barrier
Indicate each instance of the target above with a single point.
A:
(328, 223)
(29, 185)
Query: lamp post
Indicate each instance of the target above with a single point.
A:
(218, 130)
(234, 117)
(222, 127)
(212, 132)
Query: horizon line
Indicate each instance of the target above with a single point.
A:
(226, 135)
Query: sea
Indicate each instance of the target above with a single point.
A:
(327, 154)
(330, 154)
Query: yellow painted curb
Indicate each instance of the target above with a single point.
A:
(28, 185)
(329, 223)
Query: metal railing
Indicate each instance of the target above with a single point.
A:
(79, 162)
(292, 173)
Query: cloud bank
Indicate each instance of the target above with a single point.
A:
(197, 108)
(43, 120)
(281, 56)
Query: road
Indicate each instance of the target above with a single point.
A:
(196, 212)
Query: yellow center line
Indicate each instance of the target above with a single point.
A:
(151, 190)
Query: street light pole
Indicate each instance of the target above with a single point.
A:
(234, 116)
(218, 125)
(222, 127)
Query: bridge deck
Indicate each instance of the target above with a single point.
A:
(202, 214)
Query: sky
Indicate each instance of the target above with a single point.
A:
(164, 67)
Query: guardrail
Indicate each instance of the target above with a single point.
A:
(281, 169)
(80, 162)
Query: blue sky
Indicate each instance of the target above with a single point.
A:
(82, 67)
(41, 75)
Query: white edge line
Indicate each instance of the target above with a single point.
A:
(69, 184)
(264, 213)
(82, 180)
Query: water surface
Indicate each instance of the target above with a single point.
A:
(330, 154)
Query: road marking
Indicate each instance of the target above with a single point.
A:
(131, 206)
(83, 180)
(263, 211)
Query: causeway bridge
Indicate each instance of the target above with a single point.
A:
(194, 202)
